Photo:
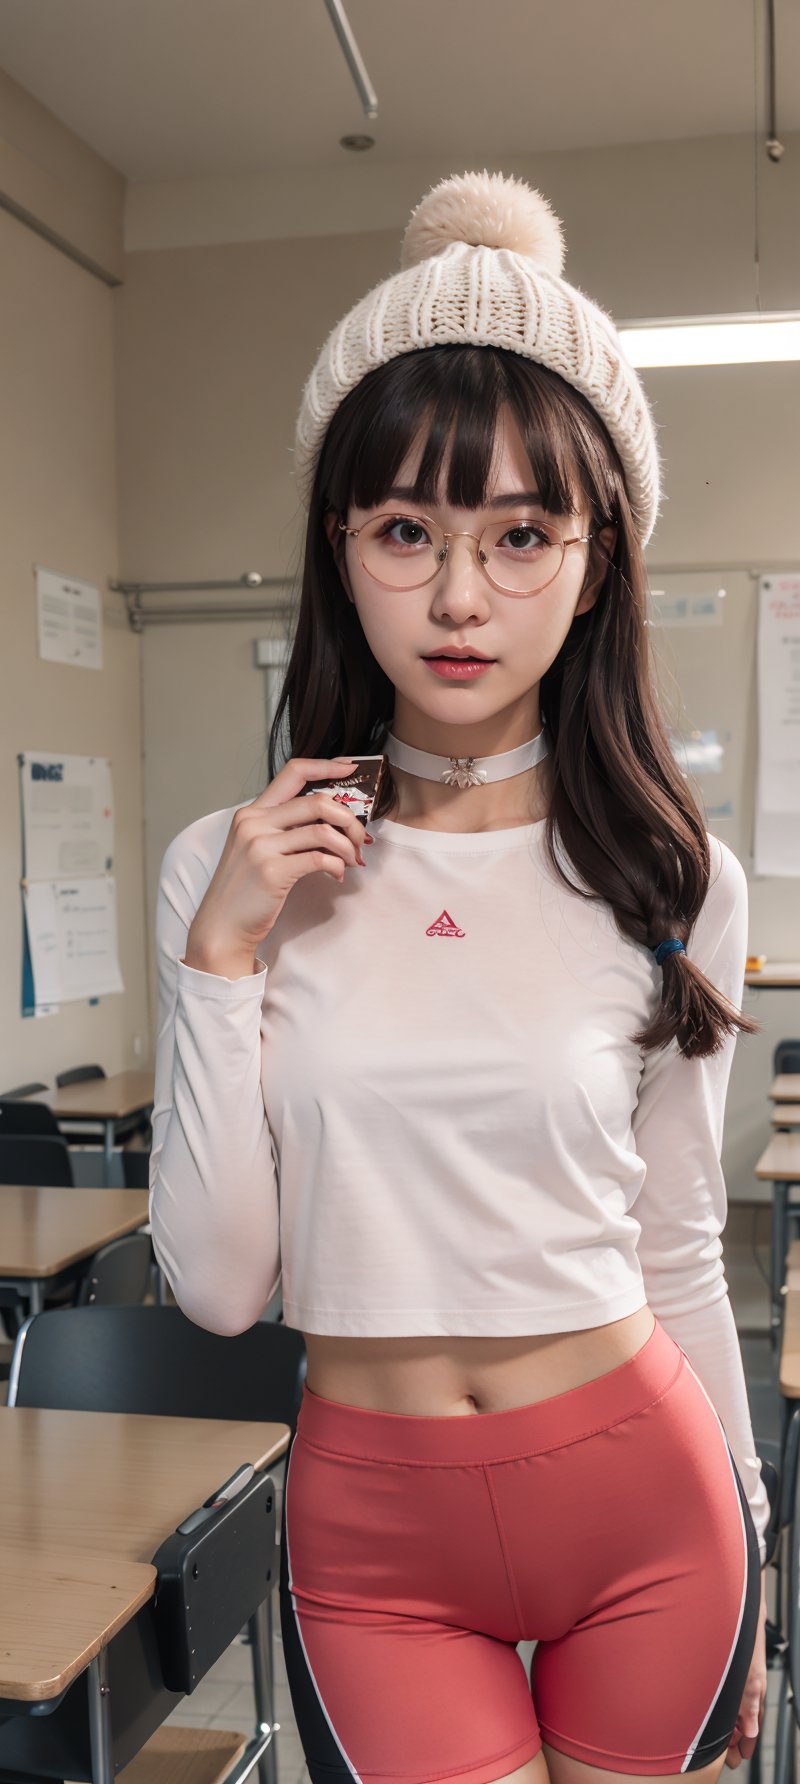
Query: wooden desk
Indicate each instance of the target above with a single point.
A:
(87, 1498)
(62, 1610)
(101, 1099)
(780, 1160)
(44, 1230)
(776, 975)
(116, 1483)
(785, 1115)
(779, 1165)
(785, 1088)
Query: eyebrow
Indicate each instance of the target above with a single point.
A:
(402, 494)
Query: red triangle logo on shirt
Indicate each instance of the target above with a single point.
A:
(444, 925)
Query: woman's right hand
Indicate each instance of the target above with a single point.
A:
(272, 843)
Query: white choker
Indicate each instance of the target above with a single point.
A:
(466, 771)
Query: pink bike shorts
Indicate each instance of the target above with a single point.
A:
(608, 1525)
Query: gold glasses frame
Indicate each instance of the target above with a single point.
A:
(392, 514)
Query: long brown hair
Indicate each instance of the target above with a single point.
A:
(623, 811)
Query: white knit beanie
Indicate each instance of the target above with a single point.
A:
(481, 265)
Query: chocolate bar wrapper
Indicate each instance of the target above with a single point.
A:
(358, 791)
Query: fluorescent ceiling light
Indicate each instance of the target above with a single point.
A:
(712, 340)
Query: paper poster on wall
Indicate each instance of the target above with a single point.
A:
(699, 753)
(67, 815)
(69, 620)
(29, 1004)
(777, 818)
(69, 921)
(687, 610)
(72, 931)
(779, 693)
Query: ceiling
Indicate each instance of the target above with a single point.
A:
(182, 89)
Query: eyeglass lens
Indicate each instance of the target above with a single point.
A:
(402, 551)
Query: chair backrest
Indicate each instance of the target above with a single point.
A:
(119, 1273)
(34, 1158)
(155, 1360)
(23, 1090)
(786, 1057)
(18, 1117)
(135, 1168)
(78, 1074)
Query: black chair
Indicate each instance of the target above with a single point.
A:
(783, 1638)
(119, 1273)
(135, 1168)
(136, 1175)
(23, 1090)
(155, 1360)
(79, 1074)
(786, 1058)
(35, 1158)
(19, 1117)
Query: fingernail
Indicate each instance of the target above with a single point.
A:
(368, 838)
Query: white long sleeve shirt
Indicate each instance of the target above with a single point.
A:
(423, 1113)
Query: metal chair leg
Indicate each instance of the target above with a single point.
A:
(780, 1198)
(260, 1632)
(785, 1733)
(101, 1739)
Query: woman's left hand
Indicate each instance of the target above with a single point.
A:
(751, 1714)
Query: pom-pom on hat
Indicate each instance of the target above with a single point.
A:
(481, 265)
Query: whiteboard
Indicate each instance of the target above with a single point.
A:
(702, 629)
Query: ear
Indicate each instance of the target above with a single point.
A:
(606, 540)
(330, 521)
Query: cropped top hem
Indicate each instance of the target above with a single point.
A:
(459, 1322)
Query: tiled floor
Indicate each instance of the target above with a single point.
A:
(225, 1700)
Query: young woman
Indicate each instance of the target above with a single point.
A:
(467, 1106)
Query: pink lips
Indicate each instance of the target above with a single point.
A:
(457, 668)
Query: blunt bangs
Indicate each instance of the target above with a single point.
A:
(452, 394)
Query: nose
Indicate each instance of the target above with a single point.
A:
(449, 550)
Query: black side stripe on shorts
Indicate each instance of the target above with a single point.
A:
(325, 1756)
(715, 1733)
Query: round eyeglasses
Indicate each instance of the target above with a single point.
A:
(405, 551)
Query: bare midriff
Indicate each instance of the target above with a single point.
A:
(432, 1377)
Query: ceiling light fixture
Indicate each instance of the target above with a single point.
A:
(750, 337)
(744, 339)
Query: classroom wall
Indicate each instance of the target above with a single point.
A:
(217, 336)
(57, 473)
(147, 433)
